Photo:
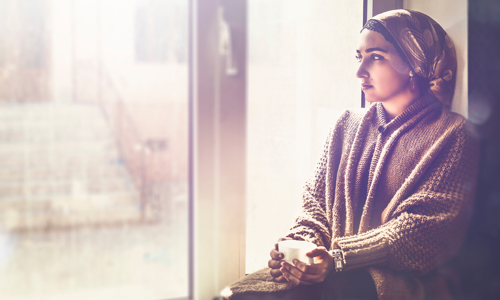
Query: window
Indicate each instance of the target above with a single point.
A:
(94, 159)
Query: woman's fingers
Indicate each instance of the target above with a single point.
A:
(303, 276)
(305, 268)
(294, 279)
(276, 273)
(276, 255)
(275, 251)
(274, 264)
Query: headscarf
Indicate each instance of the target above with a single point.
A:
(427, 47)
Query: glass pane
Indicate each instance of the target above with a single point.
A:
(301, 77)
(93, 156)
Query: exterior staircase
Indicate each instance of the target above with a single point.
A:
(60, 168)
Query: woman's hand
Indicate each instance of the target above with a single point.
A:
(305, 274)
(275, 262)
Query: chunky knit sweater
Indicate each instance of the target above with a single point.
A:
(414, 212)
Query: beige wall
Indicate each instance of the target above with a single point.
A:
(452, 16)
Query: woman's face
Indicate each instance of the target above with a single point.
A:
(383, 73)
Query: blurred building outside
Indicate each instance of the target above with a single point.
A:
(93, 128)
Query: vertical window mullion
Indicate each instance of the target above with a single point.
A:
(217, 93)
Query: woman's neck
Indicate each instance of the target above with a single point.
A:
(396, 106)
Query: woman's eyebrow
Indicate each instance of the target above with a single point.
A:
(374, 49)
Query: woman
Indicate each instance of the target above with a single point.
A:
(392, 192)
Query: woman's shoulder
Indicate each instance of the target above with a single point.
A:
(456, 122)
(451, 126)
(351, 116)
(451, 116)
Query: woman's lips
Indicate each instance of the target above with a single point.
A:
(365, 87)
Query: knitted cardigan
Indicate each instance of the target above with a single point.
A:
(422, 169)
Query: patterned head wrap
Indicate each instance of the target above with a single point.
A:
(427, 48)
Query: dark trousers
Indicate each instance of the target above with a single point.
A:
(355, 285)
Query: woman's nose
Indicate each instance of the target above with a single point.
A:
(361, 72)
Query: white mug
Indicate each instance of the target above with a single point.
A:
(293, 249)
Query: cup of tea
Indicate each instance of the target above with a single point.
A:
(293, 249)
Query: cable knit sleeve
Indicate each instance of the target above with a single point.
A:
(427, 226)
(311, 223)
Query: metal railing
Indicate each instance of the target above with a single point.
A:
(132, 148)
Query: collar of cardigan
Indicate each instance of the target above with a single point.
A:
(425, 102)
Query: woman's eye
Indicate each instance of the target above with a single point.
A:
(358, 58)
(377, 57)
